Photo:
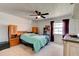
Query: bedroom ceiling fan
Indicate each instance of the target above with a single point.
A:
(39, 14)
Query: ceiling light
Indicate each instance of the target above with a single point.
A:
(38, 16)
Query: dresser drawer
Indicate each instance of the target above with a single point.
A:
(14, 42)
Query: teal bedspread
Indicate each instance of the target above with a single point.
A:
(38, 41)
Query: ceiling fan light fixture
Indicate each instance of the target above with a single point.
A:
(38, 16)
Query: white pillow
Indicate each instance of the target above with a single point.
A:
(66, 36)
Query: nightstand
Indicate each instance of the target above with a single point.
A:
(14, 41)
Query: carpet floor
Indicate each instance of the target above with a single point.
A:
(52, 49)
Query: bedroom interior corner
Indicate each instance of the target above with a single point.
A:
(52, 30)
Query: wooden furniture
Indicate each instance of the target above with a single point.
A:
(14, 41)
(21, 32)
(71, 47)
(35, 29)
(13, 38)
(12, 30)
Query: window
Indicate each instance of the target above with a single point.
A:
(58, 27)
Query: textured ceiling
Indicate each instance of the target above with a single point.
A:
(26, 9)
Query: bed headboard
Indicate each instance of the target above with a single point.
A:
(21, 32)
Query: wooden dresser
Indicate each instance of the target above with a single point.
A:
(14, 41)
(13, 38)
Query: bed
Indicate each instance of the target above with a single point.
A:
(38, 41)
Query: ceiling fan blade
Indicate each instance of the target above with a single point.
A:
(45, 14)
(37, 12)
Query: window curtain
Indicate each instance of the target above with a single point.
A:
(65, 27)
(52, 33)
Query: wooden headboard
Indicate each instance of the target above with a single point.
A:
(21, 32)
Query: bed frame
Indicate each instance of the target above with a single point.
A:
(27, 44)
(30, 45)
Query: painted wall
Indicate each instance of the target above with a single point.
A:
(3, 33)
(23, 24)
(74, 26)
(7, 19)
(76, 11)
(74, 23)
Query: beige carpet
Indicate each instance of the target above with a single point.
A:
(19, 50)
(52, 49)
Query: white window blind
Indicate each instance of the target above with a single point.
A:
(58, 27)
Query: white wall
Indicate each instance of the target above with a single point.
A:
(23, 24)
(7, 19)
(74, 26)
(3, 33)
(74, 23)
(76, 11)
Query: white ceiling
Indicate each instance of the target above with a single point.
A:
(26, 9)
